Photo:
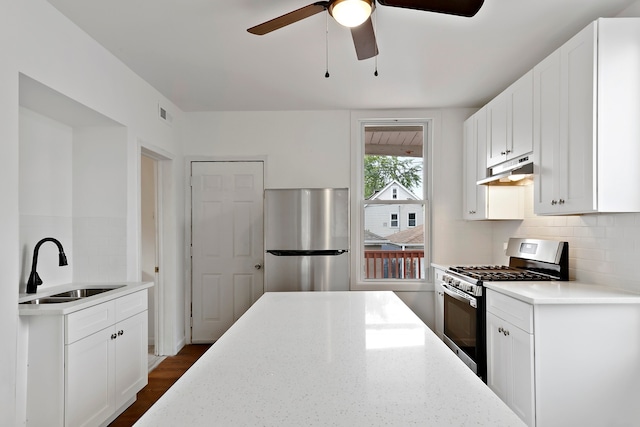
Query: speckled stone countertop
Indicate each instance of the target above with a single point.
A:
(329, 359)
(559, 292)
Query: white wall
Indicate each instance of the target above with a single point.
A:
(36, 40)
(312, 149)
(302, 148)
(45, 184)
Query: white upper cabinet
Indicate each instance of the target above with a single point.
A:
(482, 202)
(510, 122)
(586, 128)
(474, 167)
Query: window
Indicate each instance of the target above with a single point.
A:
(392, 158)
(411, 219)
(394, 220)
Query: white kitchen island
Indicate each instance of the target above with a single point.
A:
(329, 358)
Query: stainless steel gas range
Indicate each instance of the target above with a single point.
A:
(464, 293)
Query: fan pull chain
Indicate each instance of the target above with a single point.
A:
(375, 27)
(326, 74)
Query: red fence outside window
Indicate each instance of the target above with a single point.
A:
(394, 264)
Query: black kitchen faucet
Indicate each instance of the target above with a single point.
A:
(34, 278)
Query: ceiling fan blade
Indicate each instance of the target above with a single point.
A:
(452, 7)
(289, 18)
(364, 39)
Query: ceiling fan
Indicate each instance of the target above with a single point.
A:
(356, 14)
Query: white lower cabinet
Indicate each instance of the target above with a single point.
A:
(565, 363)
(510, 353)
(510, 367)
(104, 349)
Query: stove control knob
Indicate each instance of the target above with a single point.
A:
(456, 283)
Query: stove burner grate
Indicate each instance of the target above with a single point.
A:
(498, 273)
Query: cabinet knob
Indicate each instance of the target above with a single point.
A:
(561, 201)
(500, 329)
(257, 266)
(114, 336)
(120, 332)
(554, 202)
(504, 153)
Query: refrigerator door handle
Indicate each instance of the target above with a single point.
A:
(324, 252)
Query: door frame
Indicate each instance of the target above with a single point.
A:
(164, 321)
(187, 223)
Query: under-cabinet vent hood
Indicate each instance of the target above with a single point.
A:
(516, 171)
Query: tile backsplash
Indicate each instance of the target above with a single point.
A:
(603, 248)
(100, 245)
(95, 248)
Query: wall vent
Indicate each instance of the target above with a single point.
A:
(164, 115)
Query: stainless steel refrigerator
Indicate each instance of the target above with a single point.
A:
(307, 239)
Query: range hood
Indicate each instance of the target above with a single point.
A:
(510, 172)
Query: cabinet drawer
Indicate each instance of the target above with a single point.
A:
(130, 305)
(90, 320)
(510, 309)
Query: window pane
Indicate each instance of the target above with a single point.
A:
(393, 232)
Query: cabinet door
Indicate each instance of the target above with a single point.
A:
(546, 134)
(498, 358)
(497, 130)
(520, 117)
(469, 190)
(131, 366)
(510, 366)
(89, 382)
(577, 131)
(475, 166)
(522, 396)
(439, 306)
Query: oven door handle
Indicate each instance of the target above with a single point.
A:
(460, 296)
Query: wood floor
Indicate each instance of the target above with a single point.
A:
(160, 379)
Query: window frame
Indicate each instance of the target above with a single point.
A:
(397, 220)
(430, 120)
(415, 219)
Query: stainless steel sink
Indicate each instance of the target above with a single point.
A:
(83, 293)
(72, 295)
(51, 300)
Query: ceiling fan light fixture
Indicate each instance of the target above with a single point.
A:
(351, 13)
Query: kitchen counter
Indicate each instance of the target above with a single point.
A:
(329, 358)
(124, 288)
(556, 292)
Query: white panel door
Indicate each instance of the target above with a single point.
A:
(227, 244)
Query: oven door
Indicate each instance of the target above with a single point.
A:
(462, 326)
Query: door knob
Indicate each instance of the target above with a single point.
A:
(258, 266)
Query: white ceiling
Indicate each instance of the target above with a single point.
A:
(199, 54)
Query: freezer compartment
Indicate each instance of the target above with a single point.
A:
(307, 219)
(306, 273)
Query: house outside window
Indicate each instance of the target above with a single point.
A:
(391, 244)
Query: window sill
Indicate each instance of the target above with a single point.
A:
(391, 285)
